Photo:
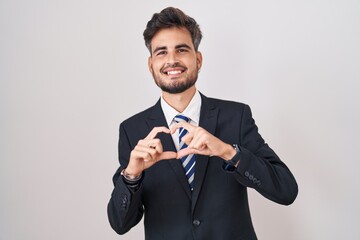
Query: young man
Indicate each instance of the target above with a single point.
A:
(187, 161)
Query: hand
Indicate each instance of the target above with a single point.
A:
(147, 152)
(200, 141)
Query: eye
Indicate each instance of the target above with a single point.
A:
(160, 53)
(182, 50)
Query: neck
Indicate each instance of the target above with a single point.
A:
(179, 101)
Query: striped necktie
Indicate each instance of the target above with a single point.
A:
(188, 161)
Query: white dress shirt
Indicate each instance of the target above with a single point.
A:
(192, 111)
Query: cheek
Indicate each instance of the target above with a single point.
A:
(156, 66)
(194, 63)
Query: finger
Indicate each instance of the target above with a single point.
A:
(146, 142)
(155, 131)
(167, 155)
(163, 156)
(156, 144)
(150, 150)
(144, 155)
(187, 138)
(185, 125)
(152, 143)
(198, 142)
(186, 151)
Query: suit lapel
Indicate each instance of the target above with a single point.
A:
(157, 118)
(208, 120)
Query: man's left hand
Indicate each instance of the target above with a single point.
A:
(200, 141)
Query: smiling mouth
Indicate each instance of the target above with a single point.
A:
(173, 72)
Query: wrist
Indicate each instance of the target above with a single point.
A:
(131, 176)
(132, 170)
(228, 153)
(232, 164)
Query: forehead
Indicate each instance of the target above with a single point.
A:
(171, 37)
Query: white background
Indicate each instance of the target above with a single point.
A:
(72, 70)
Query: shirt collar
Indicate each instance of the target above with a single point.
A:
(192, 111)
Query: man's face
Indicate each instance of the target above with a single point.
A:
(174, 63)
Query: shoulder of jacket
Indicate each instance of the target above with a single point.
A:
(225, 103)
(141, 116)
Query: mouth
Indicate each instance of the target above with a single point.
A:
(173, 71)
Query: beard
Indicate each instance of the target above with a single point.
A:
(176, 86)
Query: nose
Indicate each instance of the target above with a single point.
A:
(171, 58)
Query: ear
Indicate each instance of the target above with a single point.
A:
(150, 64)
(199, 59)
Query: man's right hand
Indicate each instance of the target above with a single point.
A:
(147, 152)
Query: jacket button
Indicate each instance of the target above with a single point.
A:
(196, 223)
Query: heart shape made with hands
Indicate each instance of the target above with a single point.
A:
(149, 150)
(195, 138)
(153, 142)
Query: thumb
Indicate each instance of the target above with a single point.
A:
(167, 155)
(184, 152)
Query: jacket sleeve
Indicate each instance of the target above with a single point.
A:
(125, 209)
(260, 168)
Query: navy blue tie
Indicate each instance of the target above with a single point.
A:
(188, 161)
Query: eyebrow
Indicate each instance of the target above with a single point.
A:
(183, 45)
(159, 49)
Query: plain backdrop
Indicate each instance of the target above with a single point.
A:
(72, 70)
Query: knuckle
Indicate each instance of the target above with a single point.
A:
(148, 156)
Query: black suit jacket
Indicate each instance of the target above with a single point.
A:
(218, 207)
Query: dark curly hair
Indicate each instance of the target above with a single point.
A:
(168, 18)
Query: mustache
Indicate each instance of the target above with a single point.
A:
(172, 65)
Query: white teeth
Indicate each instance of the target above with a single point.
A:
(174, 72)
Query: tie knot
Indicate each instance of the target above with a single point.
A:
(181, 118)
